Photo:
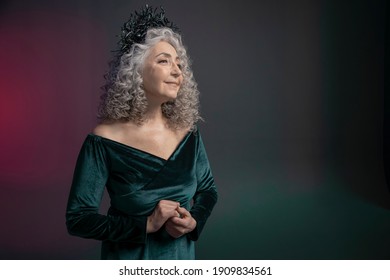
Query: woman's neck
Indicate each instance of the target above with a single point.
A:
(154, 115)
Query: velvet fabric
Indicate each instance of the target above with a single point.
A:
(136, 181)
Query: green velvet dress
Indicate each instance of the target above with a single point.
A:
(136, 181)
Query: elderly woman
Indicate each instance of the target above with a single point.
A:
(146, 151)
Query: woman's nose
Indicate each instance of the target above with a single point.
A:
(175, 70)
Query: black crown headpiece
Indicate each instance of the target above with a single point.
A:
(134, 30)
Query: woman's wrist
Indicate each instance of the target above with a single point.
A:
(149, 225)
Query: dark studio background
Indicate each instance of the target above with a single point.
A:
(293, 97)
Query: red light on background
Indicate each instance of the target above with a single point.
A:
(49, 87)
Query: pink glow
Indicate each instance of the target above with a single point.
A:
(51, 70)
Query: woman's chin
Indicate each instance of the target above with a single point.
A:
(162, 97)
(171, 96)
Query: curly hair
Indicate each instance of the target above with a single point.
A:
(124, 99)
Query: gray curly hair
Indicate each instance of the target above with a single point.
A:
(124, 99)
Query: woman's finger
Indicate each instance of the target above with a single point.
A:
(183, 212)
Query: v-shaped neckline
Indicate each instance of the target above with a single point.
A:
(179, 145)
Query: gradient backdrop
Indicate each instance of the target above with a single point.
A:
(293, 97)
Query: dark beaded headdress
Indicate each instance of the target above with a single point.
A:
(134, 30)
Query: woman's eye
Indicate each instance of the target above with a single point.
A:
(164, 61)
(179, 66)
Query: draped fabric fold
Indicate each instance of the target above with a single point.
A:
(136, 181)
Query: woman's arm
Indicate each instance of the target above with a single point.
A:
(82, 213)
(206, 195)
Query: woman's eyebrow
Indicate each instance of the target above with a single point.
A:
(167, 54)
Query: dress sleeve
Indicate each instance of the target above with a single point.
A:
(89, 180)
(206, 195)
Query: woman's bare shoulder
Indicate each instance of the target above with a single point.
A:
(107, 129)
(183, 132)
(115, 130)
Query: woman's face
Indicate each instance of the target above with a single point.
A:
(161, 75)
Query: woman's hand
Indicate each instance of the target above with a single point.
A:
(178, 226)
(164, 210)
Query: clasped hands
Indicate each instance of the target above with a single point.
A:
(177, 220)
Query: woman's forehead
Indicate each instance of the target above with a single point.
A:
(165, 49)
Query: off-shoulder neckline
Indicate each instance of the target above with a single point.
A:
(179, 145)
